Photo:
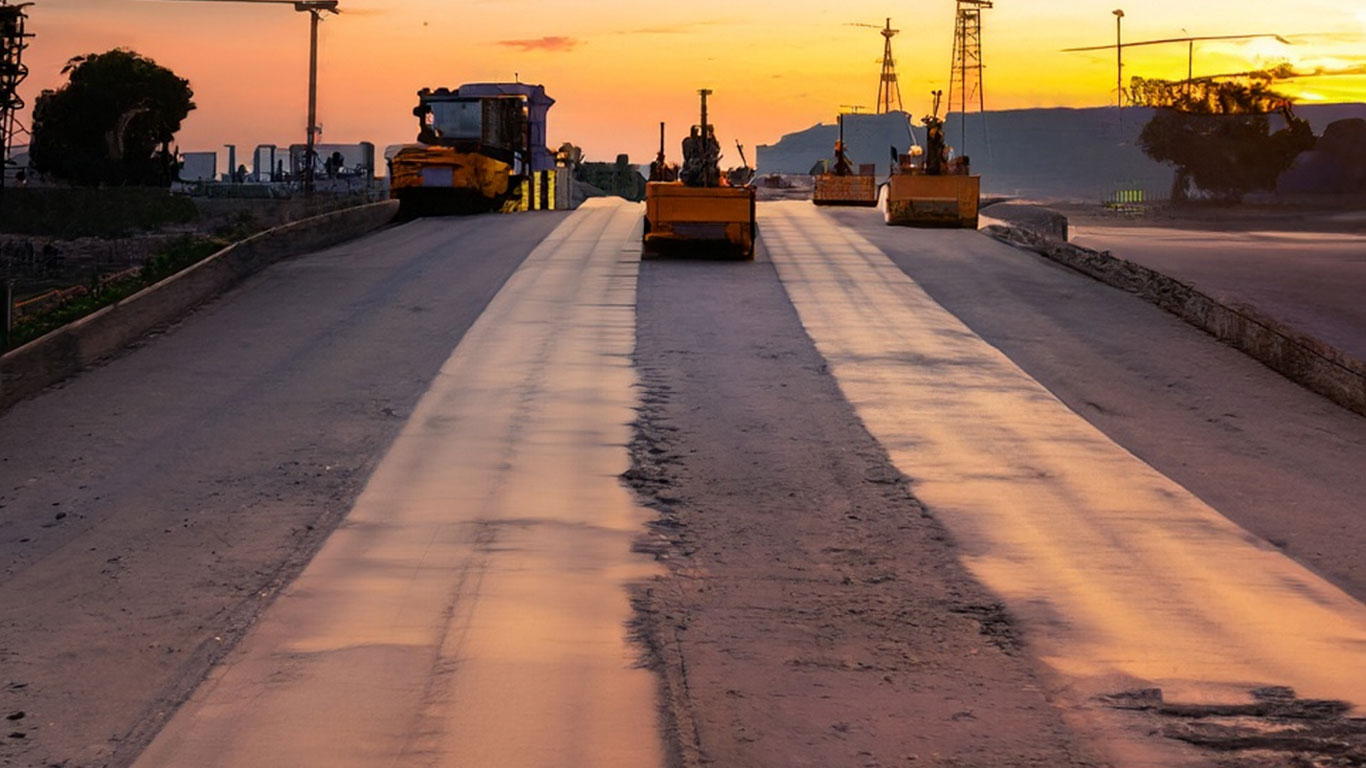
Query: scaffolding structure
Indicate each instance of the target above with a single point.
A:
(13, 41)
(888, 87)
(965, 80)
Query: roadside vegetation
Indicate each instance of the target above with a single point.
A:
(71, 304)
(106, 135)
(1218, 134)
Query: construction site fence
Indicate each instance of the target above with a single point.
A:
(1129, 199)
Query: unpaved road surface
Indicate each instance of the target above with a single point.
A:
(1270, 455)
(814, 614)
(916, 498)
(1311, 281)
(1122, 579)
(151, 507)
(471, 611)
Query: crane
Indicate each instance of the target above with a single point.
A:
(1190, 42)
(315, 9)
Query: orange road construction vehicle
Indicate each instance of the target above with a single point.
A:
(841, 186)
(695, 209)
(934, 191)
(476, 146)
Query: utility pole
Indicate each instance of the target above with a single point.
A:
(1119, 53)
(312, 97)
(1190, 66)
(315, 10)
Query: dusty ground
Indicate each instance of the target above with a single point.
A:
(1336, 214)
(1119, 577)
(1310, 281)
(814, 614)
(151, 508)
(1268, 454)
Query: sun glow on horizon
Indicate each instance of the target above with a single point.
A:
(617, 68)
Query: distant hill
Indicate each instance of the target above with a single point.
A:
(1064, 154)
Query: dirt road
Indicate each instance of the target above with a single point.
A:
(814, 614)
(1122, 578)
(150, 508)
(471, 609)
(918, 499)
(1273, 457)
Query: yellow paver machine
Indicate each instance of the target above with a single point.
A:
(696, 210)
(478, 147)
(842, 186)
(931, 190)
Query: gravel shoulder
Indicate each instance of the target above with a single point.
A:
(814, 614)
(151, 508)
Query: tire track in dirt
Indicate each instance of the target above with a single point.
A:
(813, 613)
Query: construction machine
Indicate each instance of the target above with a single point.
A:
(930, 189)
(841, 185)
(695, 208)
(477, 147)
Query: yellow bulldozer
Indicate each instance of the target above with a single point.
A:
(695, 209)
(930, 190)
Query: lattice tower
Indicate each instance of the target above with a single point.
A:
(965, 81)
(888, 88)
(13, 39)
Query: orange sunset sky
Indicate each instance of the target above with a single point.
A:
(619, 67)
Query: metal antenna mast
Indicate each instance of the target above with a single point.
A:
(12, 72)
(315, 10)
(965, 80)
(888, 86)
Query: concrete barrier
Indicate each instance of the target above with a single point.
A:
(1308, 361)
(73, 347)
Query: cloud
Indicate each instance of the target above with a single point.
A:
(552, 43)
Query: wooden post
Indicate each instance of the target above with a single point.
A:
(9, 315)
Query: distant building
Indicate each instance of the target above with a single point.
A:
(619, 179)
(198, 166)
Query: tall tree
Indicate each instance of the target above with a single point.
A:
(112, 122)
(1217, 133)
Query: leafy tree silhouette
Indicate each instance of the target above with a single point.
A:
(112, 122)
(1217, 133)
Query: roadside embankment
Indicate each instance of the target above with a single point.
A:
(67, 350)
(1309, 361)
